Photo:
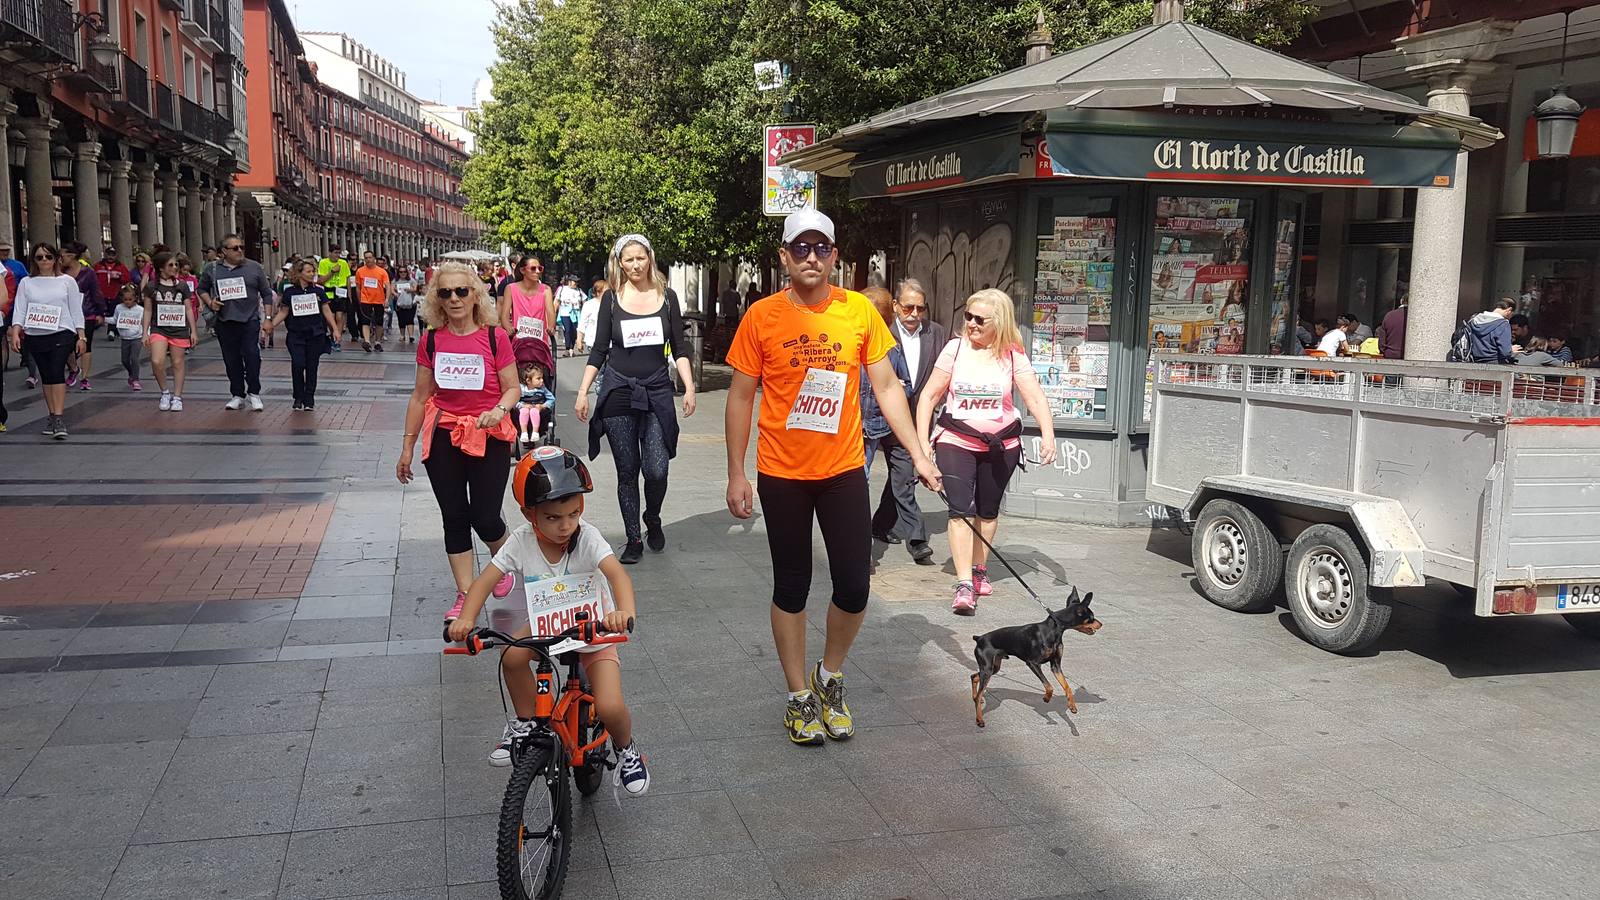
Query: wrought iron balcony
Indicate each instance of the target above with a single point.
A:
(217, 28)
(135, 86)
(193, 18)
(39, 31)
(166, 106)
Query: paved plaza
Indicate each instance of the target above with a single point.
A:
(219, 633)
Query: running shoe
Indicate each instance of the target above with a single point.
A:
(310, 407)
(255, 403)
(83, 385)
(49, 426)
(836, 719)
(527, 438)
(631, 772)
(338, 346)
(2, 428)
(654, 536)
(177, 404)
(515, 729)
(134, 383)
(298, 406)
(367, 346)
(504, 585)
(378, 346)
(965, 603)
(61, 429)
(72, 377)
(235, 403)
(166, 401)
(801, 719)
(455, 611)
(980, 581)
(632, 553)
(32, 382)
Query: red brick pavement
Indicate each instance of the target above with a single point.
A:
(89, 554)
(140, 415)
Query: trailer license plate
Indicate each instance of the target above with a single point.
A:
(1578, 596)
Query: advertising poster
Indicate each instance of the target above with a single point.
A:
(788, 190)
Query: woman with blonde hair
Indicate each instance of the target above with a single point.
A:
(460, 410)
(978, 442)
(636, 323)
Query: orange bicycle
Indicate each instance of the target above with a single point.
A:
(567, 740)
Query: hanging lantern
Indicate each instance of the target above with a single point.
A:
(1556, 122)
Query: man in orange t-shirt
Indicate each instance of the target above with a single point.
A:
(372, 289)
(807, 347)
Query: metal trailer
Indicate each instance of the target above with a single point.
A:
(1377, 475)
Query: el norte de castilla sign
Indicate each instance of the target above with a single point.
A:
(1146, 157)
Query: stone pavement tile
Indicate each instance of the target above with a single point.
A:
(1136, 851)
(135, 766)
(242, 611)
(1064, 790)
(122, 615)
(127, 685)
(1201, 727)
(1272, 773)
(304, 632)
(32, 617)
(56, 874)
(1339, 880)
(1022, 861)
(1221, 888)
(380, 706)
(35, 642)
(470, 846)
(12, 764)
(392, 746)
(745, 761)
(240, 757)
(787, 813)
(26, 727)
(916, 803)
(260, 714)
(292, 677)
(358, 568)
(226, 657)
(683, 718)
(364, 859)
(94, 662)
(886, 749)
(190, 811)
(1472, 811)
(425, 626)
(325, 652)
(672, 826)
(726, 876)
(414, 647)
(241, 867)
(63, 688)
(354, 797)
(127, 639)
(1168, 781)
(1301, 722)
(680, 768)
(855, 870)
(312, 607)
(223, 636)
(382, 672)
(72, 819)
(114, 723)
(472, 786)
(347, 585)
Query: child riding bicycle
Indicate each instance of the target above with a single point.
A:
(549, 485)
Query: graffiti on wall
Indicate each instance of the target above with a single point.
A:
(1070, 458)
(956, 248)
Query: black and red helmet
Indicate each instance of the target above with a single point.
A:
(549, 473)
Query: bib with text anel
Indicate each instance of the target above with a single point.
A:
(231, 289)
(171, 315)
(976, 401)
(819, 404)
(43, 317)
(642, 332)
(303, 304)
(130, 317)
(554, 603)
(459, 371)
(530, 327)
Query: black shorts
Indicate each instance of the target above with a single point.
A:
(339, 305)
(405, 315)
(975, 481)
(841, 508)
(50, 353)
(372, 314)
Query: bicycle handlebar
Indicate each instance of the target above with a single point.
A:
(589, 632)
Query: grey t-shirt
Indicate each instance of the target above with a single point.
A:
(243, 289)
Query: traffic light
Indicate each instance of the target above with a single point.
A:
(274, 245)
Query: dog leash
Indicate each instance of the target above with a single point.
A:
(997, 555)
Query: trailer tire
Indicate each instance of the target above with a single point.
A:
(1237, 559)
(1586, 624)
(1325, 579)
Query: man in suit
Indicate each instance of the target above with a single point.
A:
(898, 517)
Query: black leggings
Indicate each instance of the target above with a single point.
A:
(638, 445)
(51, 351)
(975, 481)
(841, 508)
(469, 489)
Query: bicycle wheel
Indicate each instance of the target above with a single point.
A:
(592, 773)
(535, 825)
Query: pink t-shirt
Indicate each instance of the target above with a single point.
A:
(980, 392)
(466, 370)
(529, 308)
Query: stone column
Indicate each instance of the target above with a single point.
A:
(144, 176)
(41, 207)
(193, 239)
(121, 209)
(229, 210)
(220, 226)
(7, 109)
(208, 222)
(171, 212)
(86, 193)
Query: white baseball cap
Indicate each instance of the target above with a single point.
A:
(806, 220)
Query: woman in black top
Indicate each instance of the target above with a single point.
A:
(634, 409)
(306, 307)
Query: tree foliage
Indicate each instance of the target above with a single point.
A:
(642, 115)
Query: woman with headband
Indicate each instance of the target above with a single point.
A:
(636, 321)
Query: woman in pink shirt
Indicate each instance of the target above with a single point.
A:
(978, 441)
(528, 313)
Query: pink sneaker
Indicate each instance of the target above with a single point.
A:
(980, 581)
(965, 604)
(83, 385)
(504, 585)
(455, 611)
(134, 383)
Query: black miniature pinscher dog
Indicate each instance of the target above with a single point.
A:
(1033, 644)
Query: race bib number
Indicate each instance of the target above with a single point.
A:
(231, 289)
(459, 371)
(171, 315)
(554, 604)
(819, 404)
(341, 293)
(530, 327)
(976, 401)
(642, 332)
(130, 318)
(47, 317)
(303, 304)
(369, 283)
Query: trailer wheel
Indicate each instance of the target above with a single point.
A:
(1325, 579)
(1586, 624)
(1237, 558)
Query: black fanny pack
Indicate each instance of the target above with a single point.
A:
(996, 442)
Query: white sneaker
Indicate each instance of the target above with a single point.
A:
(515, 728)
(166, 401)
(255, 403)
(235, 403)
(177, 404)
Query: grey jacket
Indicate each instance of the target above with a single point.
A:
(217, 282)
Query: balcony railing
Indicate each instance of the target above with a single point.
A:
(217, 28)
(166, 106)
(39, 30)
(202, 124)
(135, 85)
(193, 18)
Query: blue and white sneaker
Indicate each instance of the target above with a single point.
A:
(631, 772)
(516, 729)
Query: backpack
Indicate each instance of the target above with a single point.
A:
(432, 331)
(1460, 346)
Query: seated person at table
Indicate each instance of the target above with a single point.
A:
(1559, 349)
(1330, 340)
(1354, 331)
(1536, 353)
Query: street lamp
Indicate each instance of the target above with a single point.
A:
(1556, 119)
(102, 46)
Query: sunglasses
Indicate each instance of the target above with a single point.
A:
(444, 292)
(979, 321)
(908, 307)
(234, 247)
(536, 268)
(801, 250)
(40, 257)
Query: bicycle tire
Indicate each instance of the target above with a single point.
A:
(591, 774)
(538, 765)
